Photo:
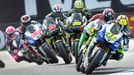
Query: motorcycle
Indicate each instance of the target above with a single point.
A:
(38, 44)
(75, 27)
(29, 53)
(57, 39)
(93, 30)
(106, 42)
(83, 50)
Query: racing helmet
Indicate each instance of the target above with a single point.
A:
(78, 4)
(10, 30)
(122, 21)
(109, 14)
(57, 8)
(25, 20)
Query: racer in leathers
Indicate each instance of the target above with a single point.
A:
(57, 13)
(89, 31)
(122, 23)
(57, 16)
(12, 35)
(79, 7)
(75, 17)
(107, 15)
(25, 21)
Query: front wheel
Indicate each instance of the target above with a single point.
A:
(50, 54)
(33, 57)
(63, 52)
(79, 63)
(95, 61)
(75, 48)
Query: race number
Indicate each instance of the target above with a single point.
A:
(52, 27)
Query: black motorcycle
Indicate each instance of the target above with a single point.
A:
(56, 39)
(74, 29)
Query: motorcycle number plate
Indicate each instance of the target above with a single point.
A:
(110, 35)
(52, 27)
(76, 23)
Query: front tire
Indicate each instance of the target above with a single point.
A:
(95, 61)
(75, 48)
(79, 63)
(63, 52)
(50, 53)
(33, 58)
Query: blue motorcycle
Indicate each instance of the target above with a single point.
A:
(106, 42)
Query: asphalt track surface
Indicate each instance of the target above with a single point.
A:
(24, 68)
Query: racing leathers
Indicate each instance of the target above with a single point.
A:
(22, 29)
(58, 18)
(85, 12)
(75, 17)
(125, 42)
(13, 48)
(89, 31)
(74, 24)
(118, 55)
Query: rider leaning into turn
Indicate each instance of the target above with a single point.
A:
(25, 21)
(11, 35)
(57, 13)
(73, 16)
(122, 22)
(90, 31)
(107, 15)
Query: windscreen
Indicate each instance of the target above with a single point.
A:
(115, 29)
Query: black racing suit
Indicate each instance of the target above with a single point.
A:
(85, 12)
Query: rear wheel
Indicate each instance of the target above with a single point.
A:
(63, 52)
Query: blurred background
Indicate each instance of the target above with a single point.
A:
(12, 10)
